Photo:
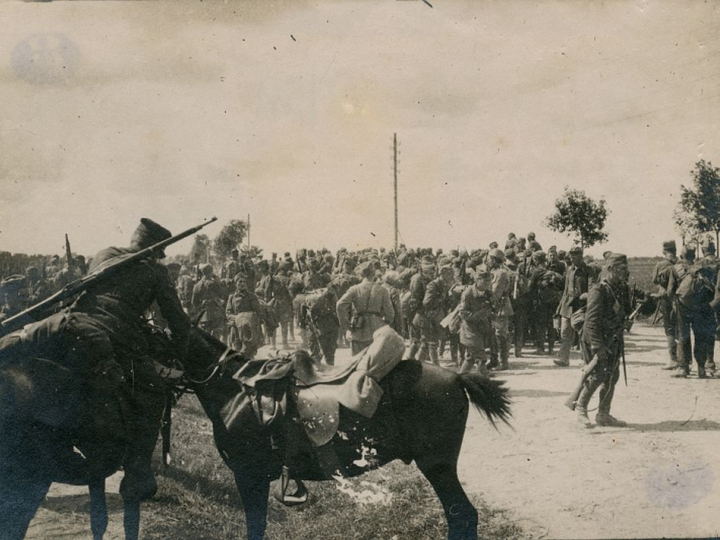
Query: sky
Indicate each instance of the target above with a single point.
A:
(179, 111)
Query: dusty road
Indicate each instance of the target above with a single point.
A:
(656, 478)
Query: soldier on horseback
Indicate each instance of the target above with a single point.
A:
(118, 305)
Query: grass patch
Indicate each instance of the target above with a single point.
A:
(197, 499)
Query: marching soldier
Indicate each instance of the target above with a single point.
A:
(243, 311)
(602, 336)
(711, 265)
(574, 298)
(364, 308)
(476, 306)
(545, 290)
(418, 286)
(661, 278)
(435, 305)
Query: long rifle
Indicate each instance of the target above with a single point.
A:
(100, 274)
(571, 401)
(68, 255)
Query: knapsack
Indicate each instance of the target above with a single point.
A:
(697, 286)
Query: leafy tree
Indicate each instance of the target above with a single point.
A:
(578, 215)
(229, 238)
(701, 201)
(251, 252)
(199, 250)
(686, 224)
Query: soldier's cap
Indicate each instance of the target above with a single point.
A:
(207, 269)
(561, 254)
(392, 278)
(511, 235)
(531, 236)
(510, 254)
(263, 264)
(497, 254)
(539, 256)
(616, 258)
(457, 261)
(286, 254)
(575, 250)
(493, 245)
(552, 249)
(426, 263)
(444, 262)
(669, 245)
(607, 254)
(235, 252)
(366, 269)
(149, 233)
(454, 252)
(12, 284)
(687, 251)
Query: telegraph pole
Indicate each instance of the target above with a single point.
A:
(395, 186)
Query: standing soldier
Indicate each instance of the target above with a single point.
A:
(243, 312)
(711, 265)
(418, 285)
(602, 337)
(208, 298)
(392, 285)
(435, 304)
(476, 327)
(545, 289)
(503, 310)
(574, 299)
(661, 278)
(520, 298)
(363, 309)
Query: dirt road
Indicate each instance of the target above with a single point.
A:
(658, 477)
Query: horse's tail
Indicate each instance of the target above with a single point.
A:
(489, 396)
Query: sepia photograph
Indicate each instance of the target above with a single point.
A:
(359, 269)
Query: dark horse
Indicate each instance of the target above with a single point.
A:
(421, 418)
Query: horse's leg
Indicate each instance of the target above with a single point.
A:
(462, 518)
(254, 488)
(19, 500)
(98, 509)
(131, 519)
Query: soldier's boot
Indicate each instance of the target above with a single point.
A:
(672, 350)
(581, 408)
(603, 416)
(504, 346)
(414, 347)
(702, 374)
(433, 351)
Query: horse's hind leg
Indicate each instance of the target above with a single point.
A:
(462, 518)
(131, 519)
(19, 500)
(98, 509)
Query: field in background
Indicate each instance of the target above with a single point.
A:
(641, 271)
(198, 499)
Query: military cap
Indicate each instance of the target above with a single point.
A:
(454, 252)
(493, 245)
(235, 252)
(575, 250)
(539, 256)
(552, 249)
(497, 254)
(427, 263)
(687, 251)
(207, 269)
(616, 258)
(149, 233)
(286, 254)
(444, 262)
(669, 245)
(561, 254)
(531, 236)
(12, 284)
(606, 254)
(263, 264)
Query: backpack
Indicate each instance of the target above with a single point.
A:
(697, 286)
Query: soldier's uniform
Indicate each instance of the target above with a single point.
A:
(319, 313)
(209, 296)
(118, 305)
(243, 311)
(574, 298)
(418, 286)
(711, 264)
(602, 335)
(476, 312)
(545, 289)
(661, 278)
(363, 309)
(276, 295)
(503, 311)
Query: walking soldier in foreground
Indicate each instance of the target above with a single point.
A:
(602, 341)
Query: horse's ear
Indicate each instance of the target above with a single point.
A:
(196, 320)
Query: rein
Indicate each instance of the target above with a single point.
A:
(221, 363)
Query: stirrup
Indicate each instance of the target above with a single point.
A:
(280, 491)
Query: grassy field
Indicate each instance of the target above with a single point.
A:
(197, 499)
(641, 271)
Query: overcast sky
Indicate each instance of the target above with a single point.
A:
(178, 111)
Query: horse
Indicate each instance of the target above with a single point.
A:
(58, 424)
(421, 418)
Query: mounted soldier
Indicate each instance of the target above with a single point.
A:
(118, 306)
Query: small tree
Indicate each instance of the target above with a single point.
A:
(229, 238)
(200, 248)
(578, 215)
(701, 201)
(686, 225)
(251, 252)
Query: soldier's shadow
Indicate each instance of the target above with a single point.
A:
(677, 425)
(81, 503)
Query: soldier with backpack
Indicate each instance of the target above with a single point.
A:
(692, 288)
